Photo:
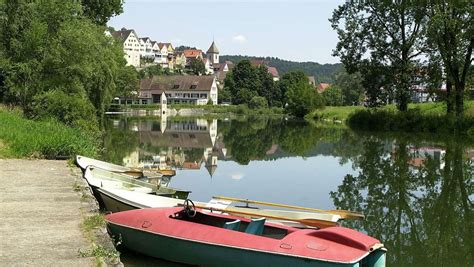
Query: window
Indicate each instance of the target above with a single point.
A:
(176, 86)
(193, 86)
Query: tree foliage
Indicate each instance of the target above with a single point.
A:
(301, 97)
(333, 96)
(100, 11)
(322, 72)
(197, 67)
(47, 46)
(390, 33)
(451, 35)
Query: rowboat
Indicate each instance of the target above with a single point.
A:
(116, 200)
(191, 236)
(100, 178)
(82, 162)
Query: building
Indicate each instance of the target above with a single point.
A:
(179, 89)
(312, 81)
(191, 54)
(146, 50)
(213, 54)
(179, 60)
(131, 45)
(221, 70)
(164, 54)
(323, 87)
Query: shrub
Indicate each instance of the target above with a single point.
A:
(258, 102)
(72, 110)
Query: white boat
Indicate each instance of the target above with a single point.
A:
(83, 162)
(116, 200)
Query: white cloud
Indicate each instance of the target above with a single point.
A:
(239, 39)
(237, 176)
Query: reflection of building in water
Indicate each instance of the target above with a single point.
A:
(418, 156)
(186, 144)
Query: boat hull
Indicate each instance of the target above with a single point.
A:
(204, 254)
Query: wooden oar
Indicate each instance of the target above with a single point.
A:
(309, 221)
(345, 214)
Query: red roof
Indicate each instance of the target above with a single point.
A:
(193, 53)
(274, 72)
(323, 87)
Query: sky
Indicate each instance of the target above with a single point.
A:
(296, 30)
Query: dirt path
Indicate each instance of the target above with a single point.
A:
(40, 215)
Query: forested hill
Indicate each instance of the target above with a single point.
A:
(322, 72)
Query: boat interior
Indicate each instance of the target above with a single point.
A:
(255, 226)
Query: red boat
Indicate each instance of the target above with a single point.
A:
(203, 238)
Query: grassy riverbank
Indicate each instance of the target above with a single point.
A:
(423, 117)
(22, 138)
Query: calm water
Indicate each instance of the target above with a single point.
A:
(416, 191)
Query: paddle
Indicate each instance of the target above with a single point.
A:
(345, 214)
(310, 221)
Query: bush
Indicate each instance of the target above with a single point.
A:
(74, 111)
(410, 121)
(258, 102)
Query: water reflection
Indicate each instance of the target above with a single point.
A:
(416, 191)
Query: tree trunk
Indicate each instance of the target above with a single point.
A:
(449, 98)
(459, 99)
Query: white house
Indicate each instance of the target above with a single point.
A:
(179, 89)
(146, 50)
(131, 45)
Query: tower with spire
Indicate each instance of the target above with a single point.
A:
(213, 54)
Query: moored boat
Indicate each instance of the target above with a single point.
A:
(194, 237)
(116, 200)
(99, 178)
(82, 162)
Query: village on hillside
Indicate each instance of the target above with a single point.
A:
(142, 52)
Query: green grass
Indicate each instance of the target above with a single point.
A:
(343, 113)
(23, 138)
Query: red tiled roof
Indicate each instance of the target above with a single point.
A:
(323, 87)
(192, 53)
(274, 72)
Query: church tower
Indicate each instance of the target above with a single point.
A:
(213, 54)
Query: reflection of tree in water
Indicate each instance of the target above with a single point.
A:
(422, 214)
(119, 141)
(251, 139)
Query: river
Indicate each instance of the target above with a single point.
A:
(416, 190)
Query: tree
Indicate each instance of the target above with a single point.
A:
(197, 67)
(351, 87)
(258, 102)
(242, 82)
(451, 33)
(391, 33)
(101, 11)
(301, 97)
(48, 46)
(333, 96)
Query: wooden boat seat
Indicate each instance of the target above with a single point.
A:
(256, 226)
(235, 225)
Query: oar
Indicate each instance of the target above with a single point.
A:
(345, 214)
(309, 221)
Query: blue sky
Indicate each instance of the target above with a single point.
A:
(296, 30)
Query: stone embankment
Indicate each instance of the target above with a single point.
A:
(42, 210)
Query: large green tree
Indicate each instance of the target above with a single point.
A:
(389, 33)
(301, 97)
(48, 49)
(100, 11)
(451, 34)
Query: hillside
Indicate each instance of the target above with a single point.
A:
(322, 72)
